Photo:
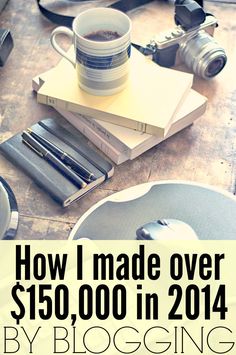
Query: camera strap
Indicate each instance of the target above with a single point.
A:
(64, 20)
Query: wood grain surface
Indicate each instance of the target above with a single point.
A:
(204, 152)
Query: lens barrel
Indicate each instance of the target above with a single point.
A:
(202, 54)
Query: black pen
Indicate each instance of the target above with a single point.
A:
(83, 172)
(47, 155)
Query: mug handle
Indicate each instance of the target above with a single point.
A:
(66, 31)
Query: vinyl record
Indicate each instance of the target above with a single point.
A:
(8, 211)
(209, 211)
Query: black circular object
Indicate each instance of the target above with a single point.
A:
(8, 211)
(215, 66)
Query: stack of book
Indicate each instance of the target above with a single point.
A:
(157, 103)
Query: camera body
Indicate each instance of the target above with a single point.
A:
(169, 42)
(195, 46)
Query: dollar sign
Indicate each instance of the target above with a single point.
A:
(21, 313)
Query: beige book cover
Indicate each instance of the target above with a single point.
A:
(148, 104)
(133, 143)
(120, 143)
(193, 107)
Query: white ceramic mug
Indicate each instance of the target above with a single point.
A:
(102, 66)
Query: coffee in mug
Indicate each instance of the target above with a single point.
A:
(102, 35)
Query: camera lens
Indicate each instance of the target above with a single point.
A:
(215, 67)
(202, 54)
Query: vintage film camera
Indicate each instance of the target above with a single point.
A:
(190, 42)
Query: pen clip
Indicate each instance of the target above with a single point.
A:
(31, 147)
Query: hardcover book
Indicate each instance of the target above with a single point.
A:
(52, 181)
(148, 103)
(121, 143)
(131, 142)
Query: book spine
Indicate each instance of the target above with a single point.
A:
(101, 115)
(104, 133)
(116, 156)
(176, 127)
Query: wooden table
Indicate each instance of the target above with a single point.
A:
(204, 152)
